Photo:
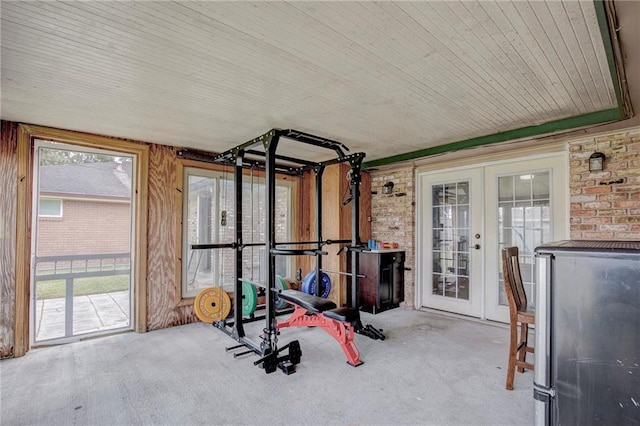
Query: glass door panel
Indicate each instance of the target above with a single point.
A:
(451, 236)
(524, 221)
(452, 264)
(83, 215)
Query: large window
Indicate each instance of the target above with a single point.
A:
(209, 218)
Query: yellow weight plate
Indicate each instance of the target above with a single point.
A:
(212, 304)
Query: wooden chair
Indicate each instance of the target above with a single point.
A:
(518, 315)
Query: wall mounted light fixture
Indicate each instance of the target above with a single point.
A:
(387, 188)
(596, 162)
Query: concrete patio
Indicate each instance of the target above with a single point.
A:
(91, 313)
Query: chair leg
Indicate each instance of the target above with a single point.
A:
(513, 348)
(524, 343)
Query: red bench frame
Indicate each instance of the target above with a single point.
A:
(343, 332)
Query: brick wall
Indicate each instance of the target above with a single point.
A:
(86, 227)
(393, 218)
(606, 204)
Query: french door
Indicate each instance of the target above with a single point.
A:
(466, 216)
(526, 204)
(452, 240)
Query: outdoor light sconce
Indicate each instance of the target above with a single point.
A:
(596, 162)
(387, 188)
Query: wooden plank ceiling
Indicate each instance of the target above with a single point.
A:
(385, 78)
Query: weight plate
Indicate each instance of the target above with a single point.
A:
(306, 280)
(285, 286)
(249, 298)
(279, 285)
(309, 284)
(212, 304)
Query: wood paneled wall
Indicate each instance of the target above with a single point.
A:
(162, 310)
(336, 221)
(8, 199)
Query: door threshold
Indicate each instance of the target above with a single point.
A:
(75, 339)
(464, 317)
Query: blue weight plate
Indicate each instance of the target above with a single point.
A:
(309, 284)
(305, 282)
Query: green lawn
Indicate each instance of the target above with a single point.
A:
(82, 286)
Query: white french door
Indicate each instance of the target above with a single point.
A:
(466, 216)
(451, 234)
(526, 205)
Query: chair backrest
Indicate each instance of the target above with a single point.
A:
(513, 280)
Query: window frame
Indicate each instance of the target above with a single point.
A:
(52, 216)
(217, 176)
(27, 134)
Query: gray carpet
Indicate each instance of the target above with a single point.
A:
(431, 370)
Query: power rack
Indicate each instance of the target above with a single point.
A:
(262, 153)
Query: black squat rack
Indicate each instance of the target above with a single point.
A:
(261, 153)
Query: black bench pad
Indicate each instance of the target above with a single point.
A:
(310, 302)
(343, 314)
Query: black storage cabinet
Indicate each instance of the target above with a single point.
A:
(383, 287)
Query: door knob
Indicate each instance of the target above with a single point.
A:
(477, 247)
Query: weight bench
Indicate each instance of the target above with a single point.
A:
(314, 311)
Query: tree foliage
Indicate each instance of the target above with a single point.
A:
(50, 157)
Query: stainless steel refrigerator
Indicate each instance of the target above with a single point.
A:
(587, 334)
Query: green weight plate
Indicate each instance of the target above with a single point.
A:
(249, 298)
(285, 286)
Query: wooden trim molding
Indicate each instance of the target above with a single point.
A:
(8, 183)
(478, 156)
(26, 135)
(23, 243)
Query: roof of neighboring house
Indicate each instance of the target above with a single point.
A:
(104, 179)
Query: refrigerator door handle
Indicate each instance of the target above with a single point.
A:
(542, 354)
